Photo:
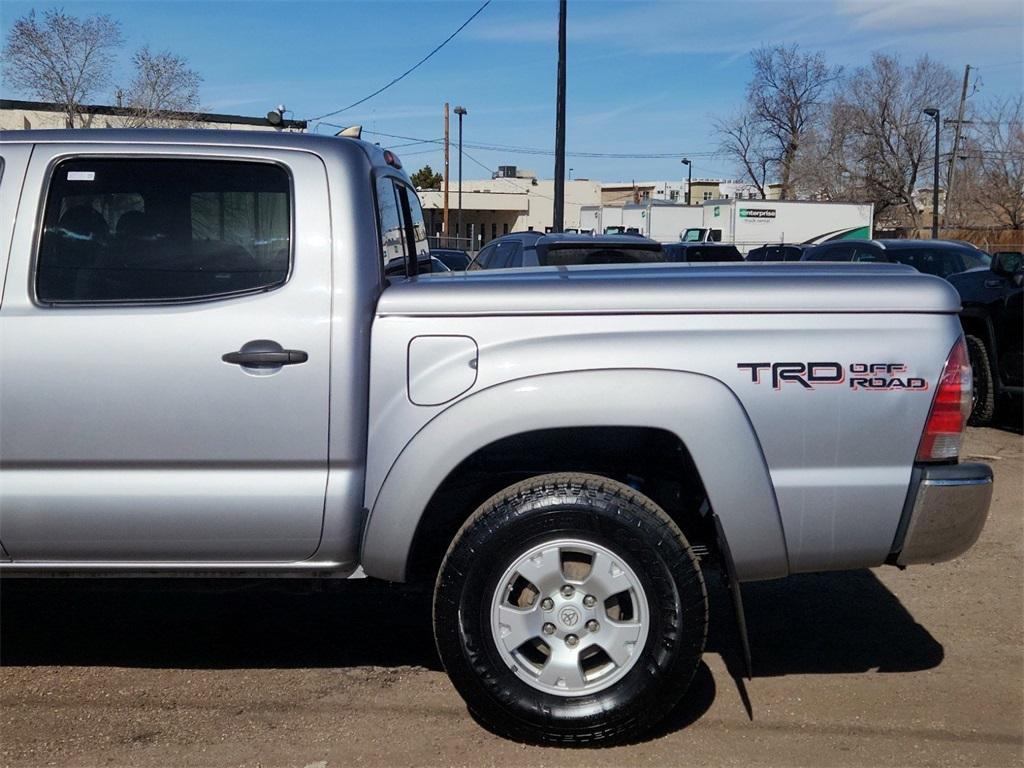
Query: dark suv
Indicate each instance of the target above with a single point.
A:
(701, 252)
(993, 324)
(533, 249)
(934, 257)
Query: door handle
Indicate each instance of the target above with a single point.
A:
(263, 353)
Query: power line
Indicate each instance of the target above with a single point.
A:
(408, 71)
(513, 149)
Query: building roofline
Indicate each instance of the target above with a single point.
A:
(103, 109)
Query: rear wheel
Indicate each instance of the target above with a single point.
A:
(983, 397)
(570, 609)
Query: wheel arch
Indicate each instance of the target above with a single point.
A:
(700, 412)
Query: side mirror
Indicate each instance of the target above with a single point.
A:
(1008, 264)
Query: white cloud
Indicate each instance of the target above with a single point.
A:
(912, 15)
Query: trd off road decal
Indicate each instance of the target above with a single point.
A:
(870, 376)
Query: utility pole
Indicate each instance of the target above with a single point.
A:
(444, 226)
(689, 177)
(933, 113)
(956, 139)
(558, 220)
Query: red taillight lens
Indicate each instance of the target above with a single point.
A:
(950, 408)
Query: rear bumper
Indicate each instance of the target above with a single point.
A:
(944, 514)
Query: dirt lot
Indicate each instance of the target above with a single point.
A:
(881, 667)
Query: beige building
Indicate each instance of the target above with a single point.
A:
(631, 192)
(495, 207)
(29, 115)
(640, 192)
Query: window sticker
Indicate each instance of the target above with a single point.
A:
(81, 175)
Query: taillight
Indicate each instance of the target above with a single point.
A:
(950, 408)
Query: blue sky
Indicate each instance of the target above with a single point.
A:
(643, 77)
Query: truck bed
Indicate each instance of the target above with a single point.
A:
(675, 288)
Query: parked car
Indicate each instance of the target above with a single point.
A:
(453, 258)
(993, 323)
(424, 264)
(780, 252)
(532, 249)
(941, 258)
(232, 384)
(701, 252)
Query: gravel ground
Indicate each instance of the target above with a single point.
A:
(871, 667)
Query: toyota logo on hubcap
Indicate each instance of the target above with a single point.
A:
(569, 616)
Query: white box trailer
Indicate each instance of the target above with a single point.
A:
(664, 222)
(611, 220)
(751, 223)
(590, 219)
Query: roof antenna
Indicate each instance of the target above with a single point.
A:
(352, 132)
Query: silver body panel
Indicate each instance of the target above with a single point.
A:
(127, 445)
(829, 467)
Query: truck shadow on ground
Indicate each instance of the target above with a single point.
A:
(808, 624)
(816, 623)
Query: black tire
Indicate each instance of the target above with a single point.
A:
(983, 407)
(610, 515)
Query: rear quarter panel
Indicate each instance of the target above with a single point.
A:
(839, 458)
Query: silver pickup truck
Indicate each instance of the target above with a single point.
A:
(217, 357)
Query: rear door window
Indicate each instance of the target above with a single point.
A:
(505, 255)
(484, 258)
(837, 252)
(403, 233)
(141, 230)
(392, 229)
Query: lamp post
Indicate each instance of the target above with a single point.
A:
(933, 113)
(558, 209)
(689, 177)
(461, 112)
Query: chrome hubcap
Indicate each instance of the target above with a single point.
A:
(569, 617)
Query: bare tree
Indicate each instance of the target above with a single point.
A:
(997, 156)
(61, 59)
(823, 170)
(786, 96)
(165, 91)
(743, 142)
(892, 142)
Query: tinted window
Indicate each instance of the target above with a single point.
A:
(705, 254)
(403, 233)
(941, 262)
(673, 252)
(455, 260)
(505, 255)
(392, 228)
(758, 254)
(791, 254)
(562, 257)
(838, 252)
(483, 259)
(413, 215)
(163, 230)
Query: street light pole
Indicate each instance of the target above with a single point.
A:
(558, 211)
(933, 113)
(461, 112)
(689, 177)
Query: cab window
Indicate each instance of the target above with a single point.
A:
(142, 230)
(403, 232)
